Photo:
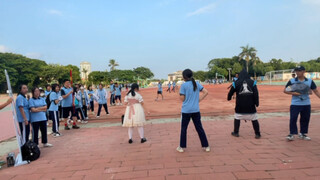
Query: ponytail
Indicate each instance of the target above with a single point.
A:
(194, 84)
(187, 76)
(133, 87)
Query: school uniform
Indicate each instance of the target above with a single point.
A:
(159, 88)
(118, 93)
(173, 86)
(190, 109)
(46, 93)
(112, 98)
(102, 100)
(91, 99)
(84, 102)
(169, 87)
(54, 111)
(300, 105)
(66, 103)
(38, 120)
(22, 101)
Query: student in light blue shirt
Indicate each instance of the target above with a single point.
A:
(118, 94)
(102, 96)
(23, 112)
(91, 97)
(67, 104)
(159, 90)
(113, 92)
(48, 90)
(38, 107)
(190, 96)
(300, 88)
(55, 99)
(169, 87)
(174, 86)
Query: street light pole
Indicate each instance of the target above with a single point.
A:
(229, 69)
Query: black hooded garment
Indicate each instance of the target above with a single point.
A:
(247, 94)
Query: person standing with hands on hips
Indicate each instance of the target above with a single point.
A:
(300, 88)
(190, 96)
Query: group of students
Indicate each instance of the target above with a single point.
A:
(160, 91)
(247, 99)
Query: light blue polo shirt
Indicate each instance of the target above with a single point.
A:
(191, 102)
(118, 91)
(303, 99)
(53, 106)
(86, 98)
(112, 88)
(169, 85)
(22, 101)
(91, 92)
(159, 87)
(35, 103)
(46, 93)
(102, 96)
(173, 84)
(67, 102)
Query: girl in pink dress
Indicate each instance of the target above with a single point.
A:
(134, 115)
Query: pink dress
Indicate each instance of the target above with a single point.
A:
(134, 115)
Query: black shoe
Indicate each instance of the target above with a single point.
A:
(75, 127)
(66, 128)
(130, 141)
(235, 134)
(258, 136)
(143, 140)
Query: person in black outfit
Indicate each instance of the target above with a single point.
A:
(247, 99)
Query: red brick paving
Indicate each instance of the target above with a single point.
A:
(103, 153)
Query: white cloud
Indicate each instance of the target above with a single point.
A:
(4, 49)
(34, 55)
(55, 12)
(205, 9)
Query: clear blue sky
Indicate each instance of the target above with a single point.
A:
(164, 35)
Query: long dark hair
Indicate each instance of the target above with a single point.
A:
(20, 88)
(188, 75)
(133, 87)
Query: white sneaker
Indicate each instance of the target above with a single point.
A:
(304, 137)
(179, 149)
(79, 120)
(120, 104)
(290, 137)
(207, 149)
(47, 145)
(69, 121)
(56, 134)
(87, 117)
(84, 122)
(98, 116)
(92, 113)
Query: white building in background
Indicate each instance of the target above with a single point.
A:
(176, 76)
(85, 70)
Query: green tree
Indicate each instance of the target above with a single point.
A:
(247, 53)
(143, 72)
(97, 77)
(200, 75)
(113, 64)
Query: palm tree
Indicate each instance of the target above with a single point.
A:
(113, 64)
(85, 73)
(255, 59)
(247, 53)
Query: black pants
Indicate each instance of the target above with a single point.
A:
(105, 108)
(196, 118)
(60, 112)
(255, 125)
(305, 112)
(42, 125)
(55, 121)
(76, 113)
(84, 110)
(92, 106)
(112, 99)
(27, 128)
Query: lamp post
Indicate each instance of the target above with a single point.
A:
(229, 69)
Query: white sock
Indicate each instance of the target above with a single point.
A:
(130, 132)
(141, 132)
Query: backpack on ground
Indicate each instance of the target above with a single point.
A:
(30, 151)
